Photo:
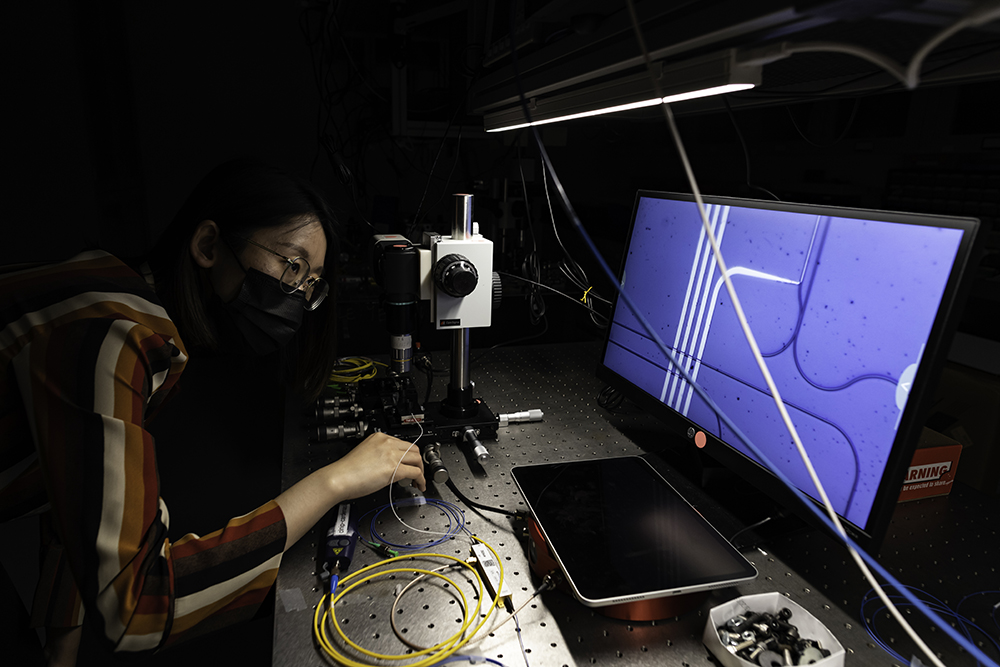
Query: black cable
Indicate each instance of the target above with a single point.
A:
(478, 358)
(472, 503)
(610, 398)
(551, 289)
(524, 193)
(531, 271)
(571, 269)
(327, 46)
(746, 528)
(531, 266)
(319, 78)
(569, 266)
(746, 153)
(332, 96)
(345, 176)
(458, 153)
(424, 363)
(778, 515)
(430, 175)
(843, 133)
(458, 108)
(350, 59)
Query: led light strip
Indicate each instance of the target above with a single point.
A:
(679, 97)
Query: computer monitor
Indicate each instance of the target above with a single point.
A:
(852, 309)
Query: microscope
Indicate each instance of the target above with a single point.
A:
(455, 274)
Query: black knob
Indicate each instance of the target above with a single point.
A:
(497, 290)
(455, 275)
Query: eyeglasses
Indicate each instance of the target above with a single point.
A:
(298, 276)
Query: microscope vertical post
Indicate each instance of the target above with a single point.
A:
(459, 391)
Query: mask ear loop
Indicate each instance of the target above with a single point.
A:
(236, 255)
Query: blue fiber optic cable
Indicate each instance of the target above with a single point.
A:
(455, 515)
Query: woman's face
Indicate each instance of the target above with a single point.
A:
(295, 239)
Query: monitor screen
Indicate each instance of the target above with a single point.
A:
(850, 309)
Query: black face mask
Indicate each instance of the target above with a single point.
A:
(264, 315)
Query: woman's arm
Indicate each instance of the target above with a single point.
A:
(365, 469)
(86, 385)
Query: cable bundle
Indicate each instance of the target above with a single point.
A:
(968, 627)
(354, 369)
(573, 271)
(325, 615)
(455, 515)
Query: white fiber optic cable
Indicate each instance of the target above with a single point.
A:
(392, 479)
(886, 63)
(908, 75)
(738, 308)
(776, 395)
(985, 13)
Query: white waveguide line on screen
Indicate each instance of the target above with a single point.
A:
(755, 349)
(693, 346)
(669, 379)
(684, 330)
(739, 271)
(720, 223)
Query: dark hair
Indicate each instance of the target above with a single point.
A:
(243, 196)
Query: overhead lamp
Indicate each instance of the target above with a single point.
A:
(715, 74)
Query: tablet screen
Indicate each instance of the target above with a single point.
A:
(620, 532)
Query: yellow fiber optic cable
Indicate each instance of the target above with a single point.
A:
(432, 654)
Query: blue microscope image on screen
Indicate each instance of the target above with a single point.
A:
(841, 309)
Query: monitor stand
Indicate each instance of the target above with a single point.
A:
(748, 505)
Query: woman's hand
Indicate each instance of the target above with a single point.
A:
(378, 461)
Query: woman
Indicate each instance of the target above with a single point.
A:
(90, 347)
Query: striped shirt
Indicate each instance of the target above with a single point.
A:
(86, 353)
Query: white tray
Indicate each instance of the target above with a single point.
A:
(809, 627)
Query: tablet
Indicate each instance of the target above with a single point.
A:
(620, 532)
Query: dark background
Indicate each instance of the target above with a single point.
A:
(120, 108)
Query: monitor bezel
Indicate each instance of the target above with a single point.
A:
(956, 291)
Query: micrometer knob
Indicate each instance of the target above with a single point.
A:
(497, 290)
(455, 275)
(477, 447)
(434, 465)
